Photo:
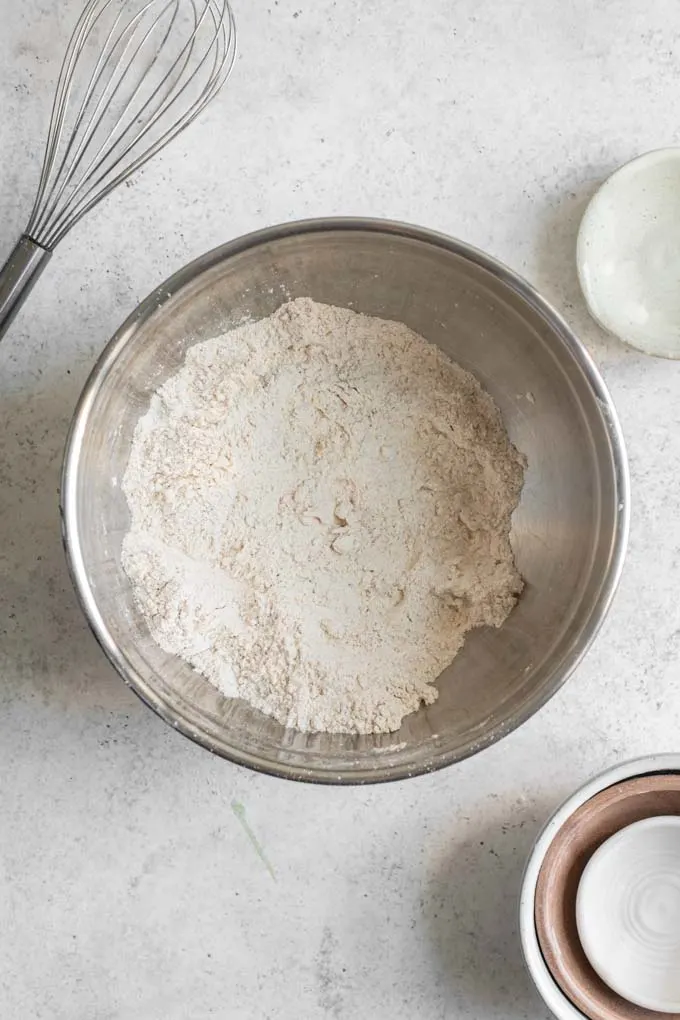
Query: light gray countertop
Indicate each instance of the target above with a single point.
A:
(130, 887)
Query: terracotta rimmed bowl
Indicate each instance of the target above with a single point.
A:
(664, 771)
(555, 909)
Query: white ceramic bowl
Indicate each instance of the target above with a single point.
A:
(550, 992)
(628, 253)
(628, 913)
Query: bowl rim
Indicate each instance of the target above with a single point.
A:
(69, 516)
(551, 993)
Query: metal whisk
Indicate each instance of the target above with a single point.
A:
(135, 74)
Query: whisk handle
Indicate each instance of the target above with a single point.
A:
(23, 267)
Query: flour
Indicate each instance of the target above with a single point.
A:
(321, 507)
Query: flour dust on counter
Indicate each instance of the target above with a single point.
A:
(320, 511)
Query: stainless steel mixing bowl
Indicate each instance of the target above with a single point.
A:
(569, 531)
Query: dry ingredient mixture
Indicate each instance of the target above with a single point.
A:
(321, 507)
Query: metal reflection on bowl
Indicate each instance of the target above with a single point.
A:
(569, 531)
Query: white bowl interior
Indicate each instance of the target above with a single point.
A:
(628, 913)
(628, 253)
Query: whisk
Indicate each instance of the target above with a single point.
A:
(134, 75)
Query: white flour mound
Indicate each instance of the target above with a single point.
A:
(321, 507)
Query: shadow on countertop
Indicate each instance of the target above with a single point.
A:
(470, 911)
(555, 274)
(46, 648)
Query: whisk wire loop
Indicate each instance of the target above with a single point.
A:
(165, 60)
(135, 74)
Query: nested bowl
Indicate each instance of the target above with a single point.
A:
(569, 530)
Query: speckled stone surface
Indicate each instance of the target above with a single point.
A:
(129, 886)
